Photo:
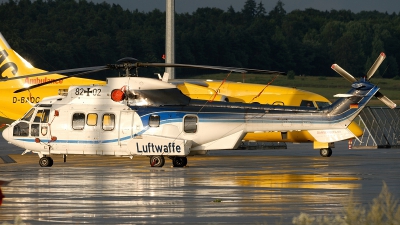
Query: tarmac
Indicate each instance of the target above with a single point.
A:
(225, 187)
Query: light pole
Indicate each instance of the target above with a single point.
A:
(170, 37)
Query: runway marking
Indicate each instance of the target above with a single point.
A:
(7, 159)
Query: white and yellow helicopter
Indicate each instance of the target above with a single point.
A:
(142, 116)
(14, 105)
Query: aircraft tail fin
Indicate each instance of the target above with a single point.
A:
(3, 43)
(165, 77)
(12, 64)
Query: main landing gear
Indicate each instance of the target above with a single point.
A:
(159, 161)
(179, 161)
(325, 152)
(46, 161)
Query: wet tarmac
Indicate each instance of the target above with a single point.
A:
(226, 187)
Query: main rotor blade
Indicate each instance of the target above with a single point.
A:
(385, 100)
(376, 65)
(262, 71)
(56, 72)
(62, 78)
(232, 69)
(343, 73)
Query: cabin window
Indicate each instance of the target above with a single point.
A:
(91, 119)
(78, 121)
(154, 121)
(42, 116)
(35, 130)
(307, 103)
(28, 115)
(108, 121)
(190, 124)
(21, 129)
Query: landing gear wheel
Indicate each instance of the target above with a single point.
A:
(51, 162)
(46, 161)
(179, 161)
(157, 161)
(325, 152)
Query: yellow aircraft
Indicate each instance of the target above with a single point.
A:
(14, 105)
(266, 94)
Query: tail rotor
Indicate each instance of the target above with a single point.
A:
(343, 73)
(376, 65)
(369, 75)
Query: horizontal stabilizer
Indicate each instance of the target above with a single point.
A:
(343, 95)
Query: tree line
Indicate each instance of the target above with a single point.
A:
(60, 34)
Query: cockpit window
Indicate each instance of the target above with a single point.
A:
(21, 129)
(28, 115)
(307, 103)
(34, 130)
(42, 116)
(322, 104)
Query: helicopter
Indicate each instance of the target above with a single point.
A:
(14, 105)
(133, 115)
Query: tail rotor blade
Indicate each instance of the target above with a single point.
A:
(375, 66)
(385, 100)
(343, 73)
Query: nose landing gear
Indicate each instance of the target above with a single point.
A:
(157, 161)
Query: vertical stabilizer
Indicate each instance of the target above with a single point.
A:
(3, 43)
(12, 64)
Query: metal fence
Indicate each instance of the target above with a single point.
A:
(381, 126)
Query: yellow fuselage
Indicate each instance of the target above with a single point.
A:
(272, 95)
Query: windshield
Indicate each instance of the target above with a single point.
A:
(322, 104)
(42, 116)
(28, 115)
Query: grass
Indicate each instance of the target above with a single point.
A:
(383, 210)
(325, 86)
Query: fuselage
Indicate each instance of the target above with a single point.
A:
(88, 121)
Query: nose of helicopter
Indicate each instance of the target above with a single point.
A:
(7, 133)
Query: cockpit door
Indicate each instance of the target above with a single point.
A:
(40, 124)
(125, 127)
